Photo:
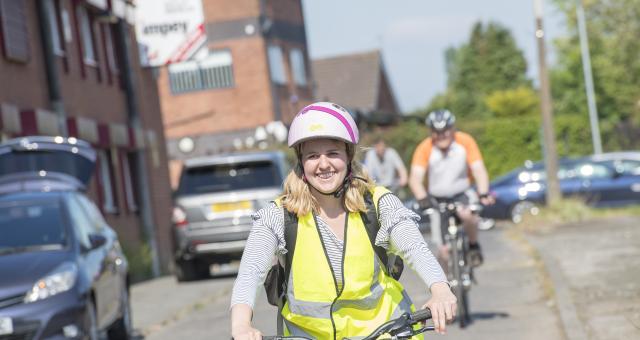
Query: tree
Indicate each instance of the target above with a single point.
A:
(521, 101)
(613, 30)
(488, 62)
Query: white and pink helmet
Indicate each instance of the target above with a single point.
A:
(323, 119)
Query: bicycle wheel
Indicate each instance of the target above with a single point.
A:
(457, 259)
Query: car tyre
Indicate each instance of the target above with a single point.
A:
(522, 208)
(122, 329)
(90, 322)
(191, 270)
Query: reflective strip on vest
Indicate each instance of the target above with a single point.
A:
(316, 309)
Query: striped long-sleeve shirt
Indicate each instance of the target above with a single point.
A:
(398, 233)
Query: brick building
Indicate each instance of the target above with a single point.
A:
(252, 69)
(71, 68)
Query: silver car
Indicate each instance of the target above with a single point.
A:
(213, 205)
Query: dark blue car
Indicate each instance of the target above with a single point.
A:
(62, 272)
(603, 180)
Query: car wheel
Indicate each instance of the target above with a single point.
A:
(522, 208)
(90, 322)
(122, 329)
(486, 223)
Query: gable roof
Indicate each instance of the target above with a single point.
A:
(351, 80)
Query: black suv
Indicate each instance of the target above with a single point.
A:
(62, 272)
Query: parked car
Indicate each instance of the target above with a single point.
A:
(601, 180)
(62, 272)
(213, 205)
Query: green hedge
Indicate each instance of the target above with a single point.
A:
(505, 143)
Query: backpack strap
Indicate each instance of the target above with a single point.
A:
(290, 236)
(372, 223)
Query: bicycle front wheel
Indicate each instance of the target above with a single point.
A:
(457, 263)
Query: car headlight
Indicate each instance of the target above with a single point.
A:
(58, 281)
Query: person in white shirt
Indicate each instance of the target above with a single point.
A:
(385, 166)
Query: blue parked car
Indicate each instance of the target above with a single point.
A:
(63, 274)
(611, 179)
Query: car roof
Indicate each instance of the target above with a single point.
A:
(611, 156)
(232, 158)
(31, 195)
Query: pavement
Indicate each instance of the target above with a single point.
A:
(578, 281)
(594, 271)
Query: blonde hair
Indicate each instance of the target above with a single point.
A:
(297, 197)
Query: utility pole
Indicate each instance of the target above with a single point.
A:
(588, 79)
(549, 141)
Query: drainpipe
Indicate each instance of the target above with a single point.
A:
(128, 79)
(265, 29)
(53, 81)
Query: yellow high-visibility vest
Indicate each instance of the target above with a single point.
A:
(316, 307)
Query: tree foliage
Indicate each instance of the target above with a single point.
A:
(613, 29)
(490, 61)
(521, 101)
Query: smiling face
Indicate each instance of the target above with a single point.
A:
(324, 162)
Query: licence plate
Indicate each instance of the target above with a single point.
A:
(6, 326)
(230, 206)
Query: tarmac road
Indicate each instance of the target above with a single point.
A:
(577, 281)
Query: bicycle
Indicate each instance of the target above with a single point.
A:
(460, 271)
(399, 329)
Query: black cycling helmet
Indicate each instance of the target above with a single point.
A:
(440, 120)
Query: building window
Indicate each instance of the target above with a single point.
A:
(213, 72)
(127, 177)
(276, 64)
(109, 198)
(86, 35)
(112, 59)
(15, 35)
(51, 7)
(296, 58)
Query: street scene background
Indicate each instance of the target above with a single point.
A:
(550, 90)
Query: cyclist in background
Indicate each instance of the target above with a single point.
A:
(447, 159)
(385, 166)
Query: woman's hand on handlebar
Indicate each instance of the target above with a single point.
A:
(246, 333)
(443, 306)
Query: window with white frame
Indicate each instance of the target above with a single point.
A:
(112, 58)
(127, 176)
(298, 69)
(212, 72)
(276, 64)
(106, 179)
(86, 35)
(51, 7)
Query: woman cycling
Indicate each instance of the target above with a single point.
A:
(337, 286)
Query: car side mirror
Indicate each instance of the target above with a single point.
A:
(96, 241)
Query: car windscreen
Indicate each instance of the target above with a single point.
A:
(229, 177)
(27, 225)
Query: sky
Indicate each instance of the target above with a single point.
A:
(414, 34)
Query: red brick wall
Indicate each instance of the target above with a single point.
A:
(247, 104)
(226, 10)
(94, 96)
(24, 84)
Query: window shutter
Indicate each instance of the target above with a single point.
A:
(13, 18)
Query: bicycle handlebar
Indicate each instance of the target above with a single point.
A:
(420, 315)
(406, 321)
